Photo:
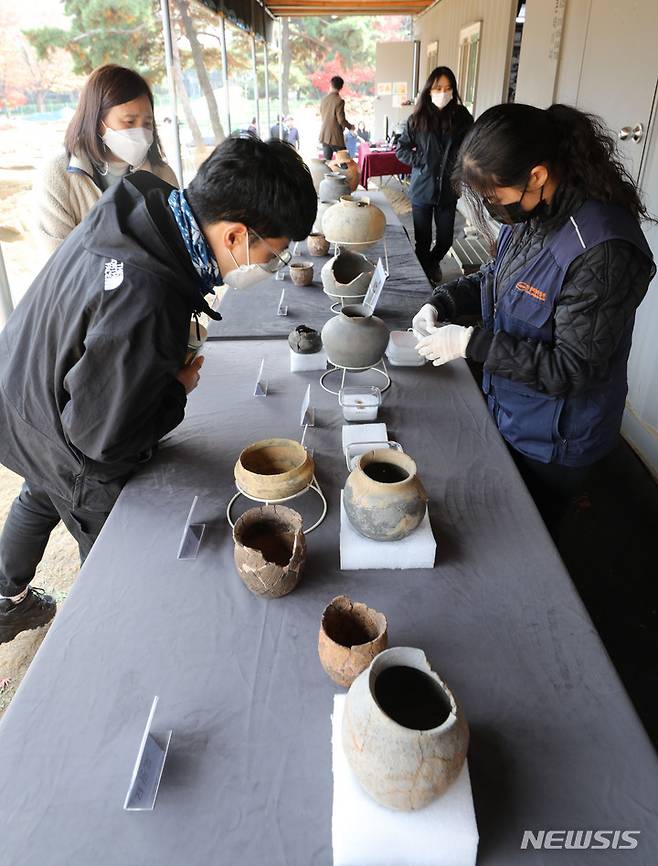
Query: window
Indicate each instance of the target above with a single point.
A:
(469, 56)
(432, 57)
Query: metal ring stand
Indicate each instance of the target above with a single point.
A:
(312, 486)
(375, 368)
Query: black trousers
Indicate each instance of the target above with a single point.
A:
(329, 150)
(554, 487)
(444, 219)
(32, 517)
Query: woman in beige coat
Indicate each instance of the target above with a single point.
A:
(112, 133)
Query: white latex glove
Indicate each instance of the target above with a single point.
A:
(425, 319)
(446, 344)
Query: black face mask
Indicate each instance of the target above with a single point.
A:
(514, 213)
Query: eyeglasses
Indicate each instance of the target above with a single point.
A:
(278, 260)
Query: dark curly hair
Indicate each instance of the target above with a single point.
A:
(263, 184)
(508, 140)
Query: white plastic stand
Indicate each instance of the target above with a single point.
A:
(379, 367)
(444, 833)
(261, 382)
(147, 772)
(192, 536)
(313, 486)
(282, 309)
(303, 363)
(417, 550)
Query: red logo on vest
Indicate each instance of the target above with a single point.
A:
(532, 291)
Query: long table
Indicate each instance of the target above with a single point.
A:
(253, 313)
(555, 742)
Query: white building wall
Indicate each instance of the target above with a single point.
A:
(443, 22)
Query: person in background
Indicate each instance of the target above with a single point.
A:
(93, 368)
(429, 144)
(332, 113)
(292, 132)
(111, 134)
(253, 128)
(361, 131)
(279, 130)
(558, 302)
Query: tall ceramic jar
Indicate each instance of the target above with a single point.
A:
(354, 223)
(343, 162)
(333, 186)
(355, 338)
(318, 169)
(384, 498)
(404, 734)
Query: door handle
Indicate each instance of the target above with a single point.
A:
(638, 132)
(624, 133)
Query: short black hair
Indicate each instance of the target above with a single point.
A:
(265, 185)
(337, 82)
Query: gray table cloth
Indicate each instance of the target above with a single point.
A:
(555, 742)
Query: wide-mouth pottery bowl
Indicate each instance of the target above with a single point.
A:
(301, 273)
(274, 469)
(317, 244)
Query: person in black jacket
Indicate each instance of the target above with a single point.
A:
(430, 143)
(92, 361)
(558, 301)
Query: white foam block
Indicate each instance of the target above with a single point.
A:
(364, 433)
(417, 550)
(300, 363)
(364, 833)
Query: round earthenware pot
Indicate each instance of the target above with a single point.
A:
(270, 549)
(304, 340)
(351, 635)
(301, 273)
(317, 244)
(274, 469)
(333, 186)
(355, 338)
(384, 498)
(404, 734)
(322, 207)
(354, 223)
(344, 163)
(346, 277)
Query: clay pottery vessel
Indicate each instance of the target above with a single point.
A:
(304, 340)
(384, 499)
(318, 169)
(270, 550)
(354, 223)
(317, 244)
(322, 207)
(346, 277)
(355, 338)
(273, 469)
(351, 635)
(333, 186)
(404, 734)
(197, 337)
(344, 163)
(301, 273)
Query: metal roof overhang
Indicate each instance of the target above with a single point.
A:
(298, 8)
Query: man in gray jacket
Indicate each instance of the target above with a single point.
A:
(92, 361)
(332, 112)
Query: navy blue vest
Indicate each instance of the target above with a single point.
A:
(573, 430)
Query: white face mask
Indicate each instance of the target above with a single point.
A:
(130, 145)
(245, 276)
(440, 100)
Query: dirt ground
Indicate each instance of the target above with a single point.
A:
(55, 574)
